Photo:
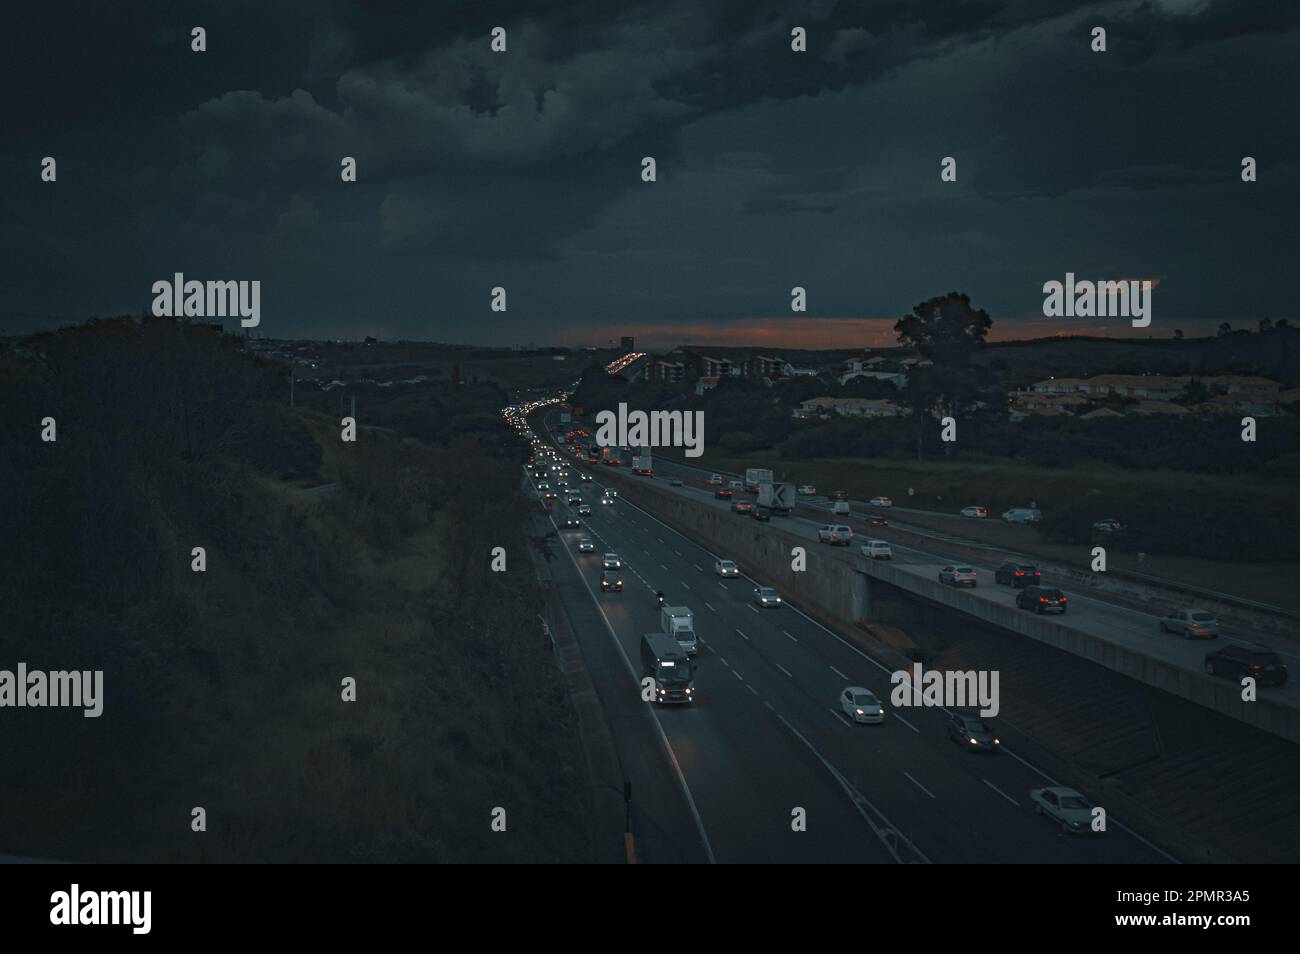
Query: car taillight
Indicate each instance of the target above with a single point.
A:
(1042, 599)
(1194, 625)
(1064, 600)
(1020, 573)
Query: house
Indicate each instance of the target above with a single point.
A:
(762, 366)
(1100, 413)
(849, 407)
(705, 384)
(790, 371)
(1159, 407)
(669, 372)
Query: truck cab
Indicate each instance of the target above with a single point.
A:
(664, 661)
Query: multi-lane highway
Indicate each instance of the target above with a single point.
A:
(1090, 611)
(765, 743)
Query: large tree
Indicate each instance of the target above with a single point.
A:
(947, 330)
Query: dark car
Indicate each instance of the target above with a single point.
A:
(877, 520)
(572, 523)
(611, 580)
(762, 513)
(972, 733)
(724, 494)
(1259, 662)
(1042, 599)
(1016, 574)
(742, 506)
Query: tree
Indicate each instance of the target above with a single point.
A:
(947, 330)
(1265, 324)
(1178, 332)
(1224, 328)
(1195, 392)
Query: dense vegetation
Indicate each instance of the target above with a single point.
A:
(222, 689)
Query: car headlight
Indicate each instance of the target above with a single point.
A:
(974, 742)
(860, 712)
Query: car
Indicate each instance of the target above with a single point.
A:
(736, 484)
(544, 486)
(972, 733)
(880, 502)
(974, 511)
(762, 513)
(572, 523)
(723, 493)
(674, 481)
(584, 510)
(1259, 662)
(1022, 515)
(742, 506)
(725, 568)
(1065, 806)
(573, 500)
(611, 581)
(606, 500)
(1109, 525)
(1017, 574)
(611, 491)
(839, 495)
(585, 545)
(1042, 599)
(955, 575)
(876, 520)
(877, 550)
(584, 476)
(1190, 623)
(835, 534)
(715, 480)
(766, 596)
(613, 561)
(861, 705)
(806, 490)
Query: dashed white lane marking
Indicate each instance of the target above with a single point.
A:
(906, 723)
(838, 673)
(790, 634)
(709, 608)
(1000, 792)
(919, 785)
(685, 587)
(784, 670)
(738, 675)
(662, 567)
(678, 552)
(754, 608)
(742, 635)
(724, 661)
(840, 717)
(751, 689)
(769, 705)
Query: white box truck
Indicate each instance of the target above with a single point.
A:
(778, 498)
(642, 463)
(756, 476)
(679, 623)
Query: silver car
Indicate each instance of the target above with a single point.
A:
(957, 575)
(726, 568)
(586, 546)
(766, 596)
(1191, 623)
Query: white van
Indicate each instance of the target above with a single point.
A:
(877, 550)
(840, 508)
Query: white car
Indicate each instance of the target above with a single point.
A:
(807, 490)
(957, 575)
(1064, 806)
(861, 705)
(606, 500)
(766, 596)
(715, 480)
(974, 511)
(881, 502)
(674, 481)
(835, 534)
(584, 476)
(586, 546)
(877, 550)
(584, 510)
(726, 568)
(613, 561)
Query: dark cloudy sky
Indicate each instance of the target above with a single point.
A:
(523, 169)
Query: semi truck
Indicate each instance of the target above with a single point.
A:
(679, 623)
(755, 476)
(642, 462)
(778, 498)
(663, 660)
(611, 456)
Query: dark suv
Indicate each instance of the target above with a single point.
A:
(1232, 661)
(1042, 599)
(1016, 574)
